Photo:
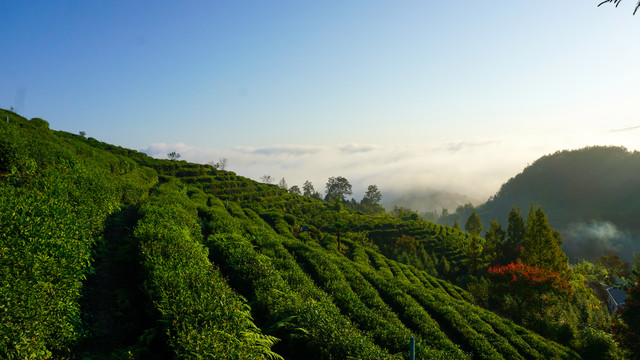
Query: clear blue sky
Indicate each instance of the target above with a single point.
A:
(274, 84)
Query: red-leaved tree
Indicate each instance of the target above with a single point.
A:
(522, 290)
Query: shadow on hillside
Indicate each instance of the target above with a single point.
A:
(113, 304)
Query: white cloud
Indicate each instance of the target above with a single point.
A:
(293, 150)
(625, 129)
(357, 148)
(160, 150)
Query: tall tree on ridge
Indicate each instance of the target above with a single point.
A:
(372, 196)
(283, 184)
(337, 188)
(307, 189)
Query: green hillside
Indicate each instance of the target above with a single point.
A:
(588, 195)
(107, 253)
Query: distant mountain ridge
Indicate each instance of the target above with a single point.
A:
(590, 195)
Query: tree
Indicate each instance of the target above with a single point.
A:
(82, 133)
(222, 163)
(615, 266)
(370, 203)
(404, 213)
(443, 266)
(516, 232)
(617, 2)
(267, 179)
(283, 184)
(339, 227)
(337, 188)
(456, 225)
(372, 196)
(541, 247)
(473, 224)
(173, 156)
(307, 189)
(474, 252)
(406, 243)
(531, 288)
(494, 237)
(295, 190)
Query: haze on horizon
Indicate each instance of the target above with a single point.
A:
(454, 96)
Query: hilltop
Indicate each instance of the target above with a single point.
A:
(107, 253)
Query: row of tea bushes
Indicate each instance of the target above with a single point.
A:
(200, 315)
(304, 316)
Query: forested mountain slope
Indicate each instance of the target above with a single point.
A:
(588, 194)
(202, 263)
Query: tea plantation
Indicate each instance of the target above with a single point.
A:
(106, 253)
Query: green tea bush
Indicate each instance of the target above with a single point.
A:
(200, 315)
(315, 328)
(12, 149)
(49, 224)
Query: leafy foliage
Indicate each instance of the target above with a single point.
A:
(337, 188)
(533, 289)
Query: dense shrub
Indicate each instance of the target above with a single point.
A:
(597, 344)
(12, 148)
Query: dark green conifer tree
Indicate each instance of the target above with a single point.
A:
(456, 225)
(443, 266)
(473, 224)
(541, 246)
(516, 232)
(495, 240)
(475, 253)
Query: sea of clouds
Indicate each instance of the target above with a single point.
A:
(469, 168)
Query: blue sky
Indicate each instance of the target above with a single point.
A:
(450, 95)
